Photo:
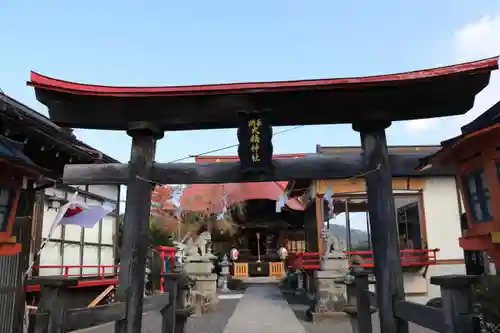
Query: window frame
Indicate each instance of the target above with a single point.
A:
(4, 225)
(482, 192)
(13, 185)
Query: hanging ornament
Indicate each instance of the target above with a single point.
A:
(178, 213)
(224, 205)
(281, 203)
(328, 196)
(176, 196)
(176, 201)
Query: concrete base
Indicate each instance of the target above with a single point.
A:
(202, 305)
(260, 280)
(334, 262)
(330, 297)
(198, 267)
(205, 290)
(329, 317)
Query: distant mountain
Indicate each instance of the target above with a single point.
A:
(358, 237)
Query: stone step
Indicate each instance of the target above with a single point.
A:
(260, 280)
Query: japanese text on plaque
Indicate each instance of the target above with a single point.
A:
(255, 126)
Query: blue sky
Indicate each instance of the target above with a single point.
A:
(195, 42)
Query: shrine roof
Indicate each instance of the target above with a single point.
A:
(420, 94)
(485, 123)
(403, 160)
(250, 191)
(12, 152)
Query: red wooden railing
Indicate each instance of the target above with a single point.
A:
(409, 258)
(304, 260)
(101, 271)
(103, 274)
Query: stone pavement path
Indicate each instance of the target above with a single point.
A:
(212, 322)
(263, 309)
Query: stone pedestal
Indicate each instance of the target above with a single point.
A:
(330, 297)
(205, 289)
(199, 269)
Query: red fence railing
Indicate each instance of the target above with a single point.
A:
(409, 258)
(93, 275)
(101, 271)
(304, 260)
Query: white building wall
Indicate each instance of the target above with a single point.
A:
(96, 243)
(442, 216)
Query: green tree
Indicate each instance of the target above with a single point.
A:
(156, 235)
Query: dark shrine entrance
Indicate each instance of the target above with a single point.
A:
(369, 103)
(260, 232)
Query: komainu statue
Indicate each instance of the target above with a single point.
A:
(332, 243)
(203, 242)
(197, 248)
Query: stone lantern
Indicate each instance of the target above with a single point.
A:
(224, 273)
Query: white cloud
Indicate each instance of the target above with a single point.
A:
(476, 40)
(421, 125)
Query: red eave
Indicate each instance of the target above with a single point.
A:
(444, 154)
(48, 83)
(209, 194)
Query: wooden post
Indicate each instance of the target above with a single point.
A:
(54, 296)
(168, 313)
(456, 293)
(347, 226)
(183, 306)
(358, 305)
(135, 227)
(363, 306)
(383, 224)
(23, 227)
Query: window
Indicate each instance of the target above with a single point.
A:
(408, 216)
(5, 202)
(478, 195)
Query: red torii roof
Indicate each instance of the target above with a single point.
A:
(419, 94)
(41, 81)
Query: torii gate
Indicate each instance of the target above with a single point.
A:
(369, 103)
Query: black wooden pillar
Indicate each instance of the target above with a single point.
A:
(383, 224)
(135, 227)
(23, 227)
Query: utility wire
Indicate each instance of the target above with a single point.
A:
(212, 151)
(229, 147)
